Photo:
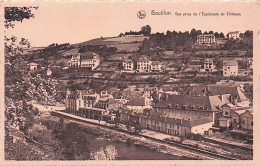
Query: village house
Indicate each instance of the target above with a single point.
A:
(75, 61)
(48, 72)
(148, 90)
(231, 116)
(230, 68)
(80, 98)
(138, 104)
(143, 65)
(128, 65)
(157, 66)
(208, 65)
(109, 104)
(125, 115)
(244, 118)
(247, 120)
(234, 35)
(89, 104)
(206, 39)
(104, 95)
(33, 66)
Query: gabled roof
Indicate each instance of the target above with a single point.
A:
(88, 55)
(126, 111)
(212, 90)
(188, 100)
(32, 63)
(239, 112)
(136, 101)
(230, 63)
(143, 58)
(200, 121)
(235, 32)
(216, 102)
(247, 111)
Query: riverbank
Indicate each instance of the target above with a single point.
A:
(201, 148)
(138, 140)
(94, 137)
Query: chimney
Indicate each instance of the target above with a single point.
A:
(222, 97)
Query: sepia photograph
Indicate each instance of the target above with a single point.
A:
(128, 81)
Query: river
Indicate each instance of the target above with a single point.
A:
(130, 151)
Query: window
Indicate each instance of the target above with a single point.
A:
(226, 113)
(251, 123)
(235, 120)
(243, 122)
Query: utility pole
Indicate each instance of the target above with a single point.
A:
(74, 149)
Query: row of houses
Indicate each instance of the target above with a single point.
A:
(230, 67)
(237, 117)
(143, 65)
(195, 112)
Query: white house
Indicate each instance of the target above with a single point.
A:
(206, 39)
(230, 68)
(138, 104)
(33, 66)
(234, 35)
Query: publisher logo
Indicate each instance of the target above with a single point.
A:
(141, 14)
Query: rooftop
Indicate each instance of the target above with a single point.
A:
(212, 90)
(88, 55)
(200, 121)
(230, 63)
(136, 101)
(187, 100)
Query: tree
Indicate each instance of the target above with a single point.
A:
(216, 34)
(248, 33)
(108, 153)
(199, 32)
(221, 35)
(13, 14)
(146, 30)
(193, 33)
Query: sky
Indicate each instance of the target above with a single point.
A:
(78, 22)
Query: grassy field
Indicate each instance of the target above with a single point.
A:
(123, 44)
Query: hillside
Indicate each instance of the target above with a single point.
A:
(123, 44)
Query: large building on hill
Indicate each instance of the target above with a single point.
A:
(143, 64)
(206, 39)
(234, 35)
(88, 60)
(128, 65)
